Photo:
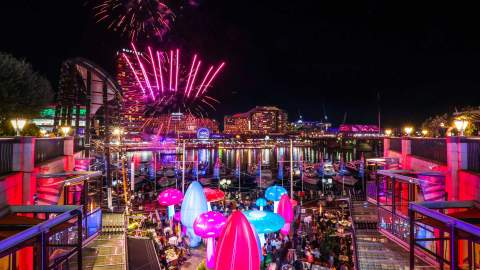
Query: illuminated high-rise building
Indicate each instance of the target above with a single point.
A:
(133, 108)
(259, 120)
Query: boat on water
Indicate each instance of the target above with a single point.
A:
(166, 181)
(347, 180)
(328, 170)
(264, 176)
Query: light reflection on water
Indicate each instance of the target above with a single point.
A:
(247, 157)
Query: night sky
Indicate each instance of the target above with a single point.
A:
(420, 57)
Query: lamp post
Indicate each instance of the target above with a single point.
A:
(65, 130)
(388, 132)
(18, 125)
(461, 125)
(424, 132)
(408, 130)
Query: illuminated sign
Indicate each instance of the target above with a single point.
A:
(203, 134)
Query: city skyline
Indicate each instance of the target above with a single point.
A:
(336, 65)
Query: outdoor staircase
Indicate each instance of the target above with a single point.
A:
(107, 251)
(49, 191)
(375, 251)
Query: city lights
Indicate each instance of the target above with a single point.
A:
(18, 125)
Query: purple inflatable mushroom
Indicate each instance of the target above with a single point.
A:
(209, 225)
(170, 197)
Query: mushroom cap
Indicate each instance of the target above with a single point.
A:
(213, 195)
(170, 196)
(264, 221)
(274, 193)
(209, 224)
(285, 208)
(261, 202)
(237, 246)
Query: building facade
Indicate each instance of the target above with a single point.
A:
(178, 124)
(260, 120)
(132, 111)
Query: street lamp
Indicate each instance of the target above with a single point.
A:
(408, 130)
(461, 125)
(424, 132)
(18, 125)
(225, 183)
(388, 132)
(65, 130)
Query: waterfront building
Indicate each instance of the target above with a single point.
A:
(261, 120)
(133, 104)
(310, 129)
(46, 118)
(179, 124)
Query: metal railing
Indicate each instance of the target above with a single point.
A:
(430, 148)
(6, 155)
(473, 154)
(354, 238)
(48, 148)
(396, 144)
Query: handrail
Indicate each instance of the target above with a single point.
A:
(354, 236)
(32, 232)
(125, 244)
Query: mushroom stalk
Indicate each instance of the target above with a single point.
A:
(171, 211)
(211, 247)
(262, 239)
(275, 206)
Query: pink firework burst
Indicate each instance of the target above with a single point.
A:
(169, 86)
(135, 18)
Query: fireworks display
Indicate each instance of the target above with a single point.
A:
(169, 86)
(135, 18)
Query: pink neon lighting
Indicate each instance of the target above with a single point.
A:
(154, 69)
(143, 71)
(203, 82)
(176, 70)
(160, 70)
(190, 73)
(171, 68)
(194, 77)
(213, 76)
(183, 80)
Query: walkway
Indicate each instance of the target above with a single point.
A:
(107, 251)
(375, 251)
(198, 254)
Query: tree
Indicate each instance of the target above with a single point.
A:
(23, 92)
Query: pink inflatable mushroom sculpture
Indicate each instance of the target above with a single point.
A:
(237, 247)
(285, 209)
(170, 197)
(209, 225)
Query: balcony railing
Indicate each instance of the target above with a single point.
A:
(473, 154)
(396, 144)
(6, 155)
(430, 148)
(48, 148)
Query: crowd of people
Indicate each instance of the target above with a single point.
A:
(319, 239)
